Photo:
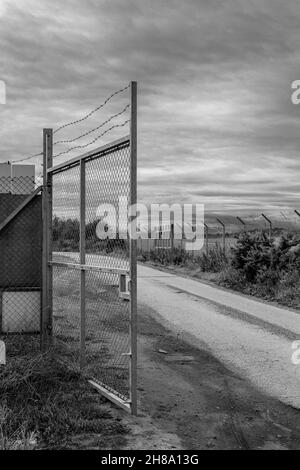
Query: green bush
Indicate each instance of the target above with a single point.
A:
(251, 253)
(266, 267)
(256, 253)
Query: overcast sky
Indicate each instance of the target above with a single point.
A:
(216, 122)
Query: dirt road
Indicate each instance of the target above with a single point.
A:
(253, 339)
(214, 370)
(189, 400)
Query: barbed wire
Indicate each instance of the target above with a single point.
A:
(93, 130)
(93, 141)
(27, 158)
(93, 111)
(121, 90)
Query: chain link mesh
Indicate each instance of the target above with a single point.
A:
(66, 281)
(107, 333)
(66, 314)
(17, 185)
(66, 210)
(106, 343)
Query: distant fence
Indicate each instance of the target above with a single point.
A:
(222, 232)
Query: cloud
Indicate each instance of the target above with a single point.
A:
(215, 115)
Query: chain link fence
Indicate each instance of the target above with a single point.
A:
(222, 231)
(91, 318)
(59, 276)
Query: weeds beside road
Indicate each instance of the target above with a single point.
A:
(257, 265)
(44, 405)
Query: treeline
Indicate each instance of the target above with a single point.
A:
(66, 237)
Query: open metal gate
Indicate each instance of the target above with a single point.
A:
(89, 273)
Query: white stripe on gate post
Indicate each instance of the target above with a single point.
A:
(46, 313)
(82, 264)
(132, 251)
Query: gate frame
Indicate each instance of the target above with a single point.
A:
(133, 250)
(47, 306)
(46, 316)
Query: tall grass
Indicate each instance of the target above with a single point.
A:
(213, 261)
(45, 405)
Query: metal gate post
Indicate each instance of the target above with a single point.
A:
(132, 251)
(46, 313)
(270, 224)
(223, 235)
(172, 242)
(242, 222)
(82, 263)
(206, 239)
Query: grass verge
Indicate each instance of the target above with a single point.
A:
(258, 265)
(45, 405)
